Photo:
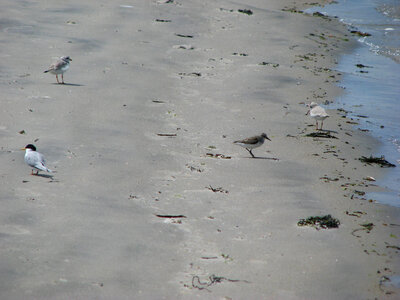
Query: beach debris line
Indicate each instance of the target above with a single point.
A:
(167, 134)
(264, 63)
(292, 10)
(366, 227)
(192, 168)
(193, 74)
(318, 222)
(239, 54)
(327, 179)
(212, 280)
(218, 189)
(377, 160)
(321, 134)
(218, 155)
(357, 214)
(170, 216)
(245, 11)
(321, 15)
(362, 66)
(393, 247)
(184, 35)
(359, 33)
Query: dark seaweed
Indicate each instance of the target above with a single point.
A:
(318, 222)
(377, 160)
(359, 33)
(245, 11)
(322, 134)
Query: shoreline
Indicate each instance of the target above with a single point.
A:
(205, 74)
(365, 86)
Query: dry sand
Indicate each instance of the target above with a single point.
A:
(91, 231)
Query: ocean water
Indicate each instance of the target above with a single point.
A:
(372, 88)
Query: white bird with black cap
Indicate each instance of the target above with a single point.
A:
(35, 159)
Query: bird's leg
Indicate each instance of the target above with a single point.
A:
(57, 78)
(322, 124)
(32, 172)
(62, 77)
(250, 152)
(316, 122)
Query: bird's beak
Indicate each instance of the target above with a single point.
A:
(308, 111)
(23, 148)
(70, 59)
(268, 139)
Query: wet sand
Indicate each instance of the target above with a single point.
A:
(155, 96)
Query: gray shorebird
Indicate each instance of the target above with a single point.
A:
(317, 112)
(59, 67)
(252, 142)
(35, 159)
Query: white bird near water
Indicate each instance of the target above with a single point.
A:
(318, 113)
(35, 159)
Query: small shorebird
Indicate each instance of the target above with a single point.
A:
(35, 159)
(317, 112)
(252, 142)
(59, 67)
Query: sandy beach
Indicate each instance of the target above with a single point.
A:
(150, 198)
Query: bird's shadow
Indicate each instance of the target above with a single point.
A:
(44, 175)
(68, 84)
(327, 131)
(262, 157)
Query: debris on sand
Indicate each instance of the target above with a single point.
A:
(212, 279)
(264, 63)
(357, 214)
(245, 11)
(218, 189)
(319, 222)
(218, 155)
(362, 66)
(184, 35)
(167, 134)
(321, 134)
(171, 216)
(377, 160)
(359, 33)
(366, 227)
(292, 10)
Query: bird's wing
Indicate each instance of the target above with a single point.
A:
(50, 68)
(40, 162)
(319, 111)
(58, 65)
(251, 140)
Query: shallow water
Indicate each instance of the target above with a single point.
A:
(373, 89)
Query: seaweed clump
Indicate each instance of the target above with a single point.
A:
(322, 134)
(377, 160)
(245, 11)
(325, 222)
